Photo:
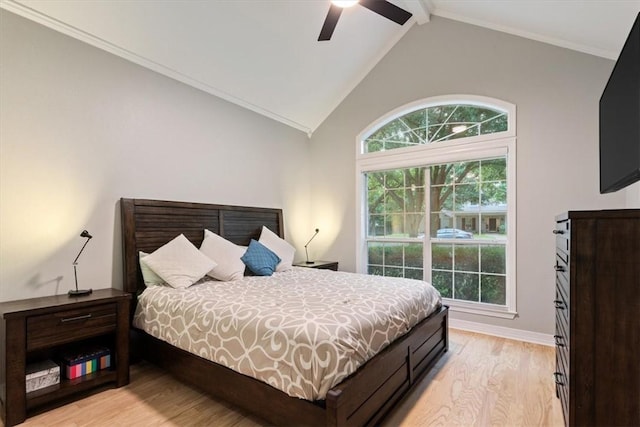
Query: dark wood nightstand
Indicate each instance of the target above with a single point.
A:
(37, 329)
(324, 265)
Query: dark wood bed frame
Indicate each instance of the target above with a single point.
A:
(364, 398)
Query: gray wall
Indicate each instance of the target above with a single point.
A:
(80, 128)
(556, 92)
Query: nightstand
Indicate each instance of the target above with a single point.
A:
(39, 329)
(324, 265)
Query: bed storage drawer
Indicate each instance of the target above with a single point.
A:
(66, 326)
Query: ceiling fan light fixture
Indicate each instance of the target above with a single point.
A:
(381, 7)
(344, 3)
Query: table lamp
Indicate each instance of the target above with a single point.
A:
(79, 292)
(305, 246)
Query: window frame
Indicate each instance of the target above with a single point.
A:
(457, 150)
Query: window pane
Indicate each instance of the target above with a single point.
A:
(414, 273)
(393, 254)
(376, 225)
(466, 286)
(415, 122)
(466, 258)
(497, 123)
(373, 145)
(394, 179)
(443, 282)
(395, 200)
(492, 259)
(442, 256)
(375, 270)
(442, 200)
(494, 194)
(493, 289)
(413, 255)
(466, 172)
(493, 170)
(375, 253)
(442, 174)
(467, 198)
(415, 225)
(394, 225)
(375, 200)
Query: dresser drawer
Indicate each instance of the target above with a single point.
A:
(563, 236)
(562, 347)
(66, 326)
(562, 277)
(562, 305)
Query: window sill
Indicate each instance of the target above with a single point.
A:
(481, 309)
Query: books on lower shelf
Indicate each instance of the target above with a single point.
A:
(85, 362)
(42, 374)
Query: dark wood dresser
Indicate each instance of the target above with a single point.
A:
(598, 317)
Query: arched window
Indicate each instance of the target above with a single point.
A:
(437, 123)
(437, 185)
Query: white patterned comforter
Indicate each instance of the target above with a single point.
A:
(301, 331)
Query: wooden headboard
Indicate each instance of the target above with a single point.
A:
(149, 224)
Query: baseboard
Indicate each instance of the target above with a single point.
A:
(501, 331)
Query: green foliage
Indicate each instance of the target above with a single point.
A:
(493, 289)
(442, 256)
(396, 259)
(462, 279)
(466, 258)
(466, 286)
(375, 253)
(492, 259)
(443, 282)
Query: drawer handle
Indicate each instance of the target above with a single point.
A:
(558, 231)
(73, 319)
(555, 376)
(558, 304)
(557, 338)
(558, 268)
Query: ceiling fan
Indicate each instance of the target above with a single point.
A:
(381, 7)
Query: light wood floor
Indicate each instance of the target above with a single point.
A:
(481, 381)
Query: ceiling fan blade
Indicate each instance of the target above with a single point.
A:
(388, 10)
(330, 22)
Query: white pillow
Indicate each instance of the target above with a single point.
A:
(179, 263)
(225, 254)
(148, 276)
(280, 247)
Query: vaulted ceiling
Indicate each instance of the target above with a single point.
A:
(264, 54)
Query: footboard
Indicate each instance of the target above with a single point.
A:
(367, 396)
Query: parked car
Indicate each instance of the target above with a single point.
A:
(453, 233)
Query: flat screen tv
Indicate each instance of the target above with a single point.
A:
(620, 119)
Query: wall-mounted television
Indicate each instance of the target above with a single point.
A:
(620, 119)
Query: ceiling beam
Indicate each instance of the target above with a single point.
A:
(421, 9)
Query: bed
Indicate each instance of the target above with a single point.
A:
(363, 398)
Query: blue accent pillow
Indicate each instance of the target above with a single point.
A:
(260, 259)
